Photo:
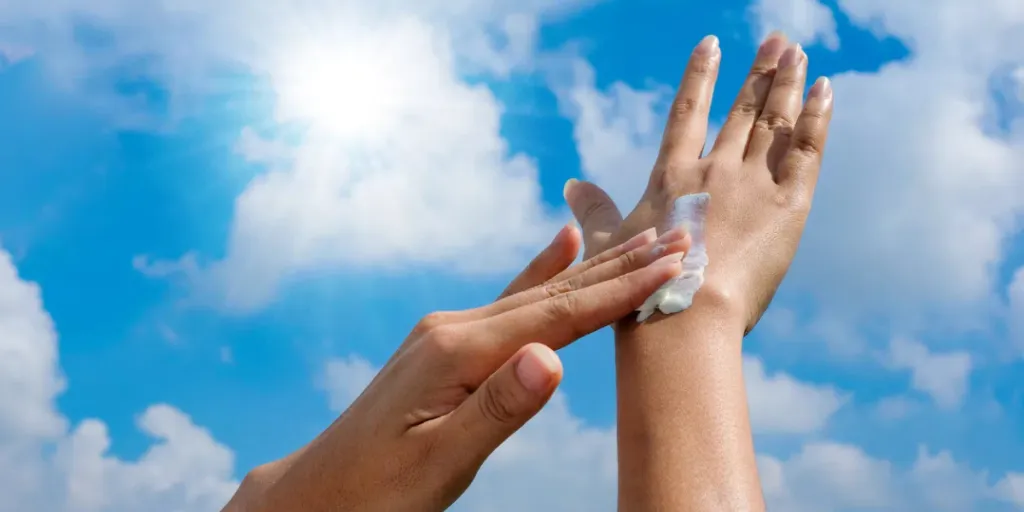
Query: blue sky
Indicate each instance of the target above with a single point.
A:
(239, 227)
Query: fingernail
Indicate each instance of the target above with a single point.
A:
(671, 259)
(568, 185)
(822, 88)
(535, 368)
(670, 236)
(707, 47)
(772, 45)
(666, 239)
(792, 57)
(639, 241)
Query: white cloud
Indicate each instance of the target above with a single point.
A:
(555, 462)
(185, 470)
(833, 477)
(1018, 76)
(402, 162)
(617, 131)
(929, 192)
(45, 467)
(781, 404)
(895, 408)
(804, 21)
(945, 377)
(344, 379)
(1011, 489)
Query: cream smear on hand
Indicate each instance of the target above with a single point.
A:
(688, 212)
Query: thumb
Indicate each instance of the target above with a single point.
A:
(595, 211)
(505, 402)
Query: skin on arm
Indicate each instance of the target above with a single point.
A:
(460, 384)
(684, 432)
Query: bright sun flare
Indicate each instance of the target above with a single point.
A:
(348, 91)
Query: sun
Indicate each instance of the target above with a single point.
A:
(344, 87)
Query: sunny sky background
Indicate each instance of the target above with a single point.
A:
(218, 218)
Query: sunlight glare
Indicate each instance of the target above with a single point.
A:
(344, 89)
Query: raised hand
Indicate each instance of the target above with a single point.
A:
(761, 174)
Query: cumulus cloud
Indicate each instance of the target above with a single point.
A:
(401, 161)
(617, 131)
(804, 21)
(345, 378)
(43, 466)
(943, 376)
(1011, 489)
(834, 477)
(555, 462)
(930, 192)
(781, 404)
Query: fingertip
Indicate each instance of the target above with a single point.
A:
(567, 188)
(822, 89)
(539, 368)
(775, 35)
(572, 239)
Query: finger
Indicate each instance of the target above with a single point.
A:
(773, 129)
(555, 258)
(503, 404)
(799, 169)
(672, 242)
(595, 211)
(687, 127)
(632, 244)
(564, 318)
(750, 102)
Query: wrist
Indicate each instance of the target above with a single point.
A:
(712, 306)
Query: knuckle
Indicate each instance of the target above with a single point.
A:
(744, 109)
(564, 305)
(762, 73)
(775, 121)
(444, 342)
(701, 68)
(807, 142)
(629, 261)
(786, 81)
(791, 201)
(594, 208)
(685, 107)
(432, 321)
(561, 288)
(565, 310)
(498, 405)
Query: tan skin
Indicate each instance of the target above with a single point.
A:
(683, 427)
(461, 384)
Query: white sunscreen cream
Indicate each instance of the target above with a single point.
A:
(676, 295)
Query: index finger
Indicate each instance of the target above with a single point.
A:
(560, 320)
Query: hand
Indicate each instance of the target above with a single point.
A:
(462, 383)
(761, 175)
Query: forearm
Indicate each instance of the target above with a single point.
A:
(683, 427)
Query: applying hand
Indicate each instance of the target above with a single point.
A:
(461, 384)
